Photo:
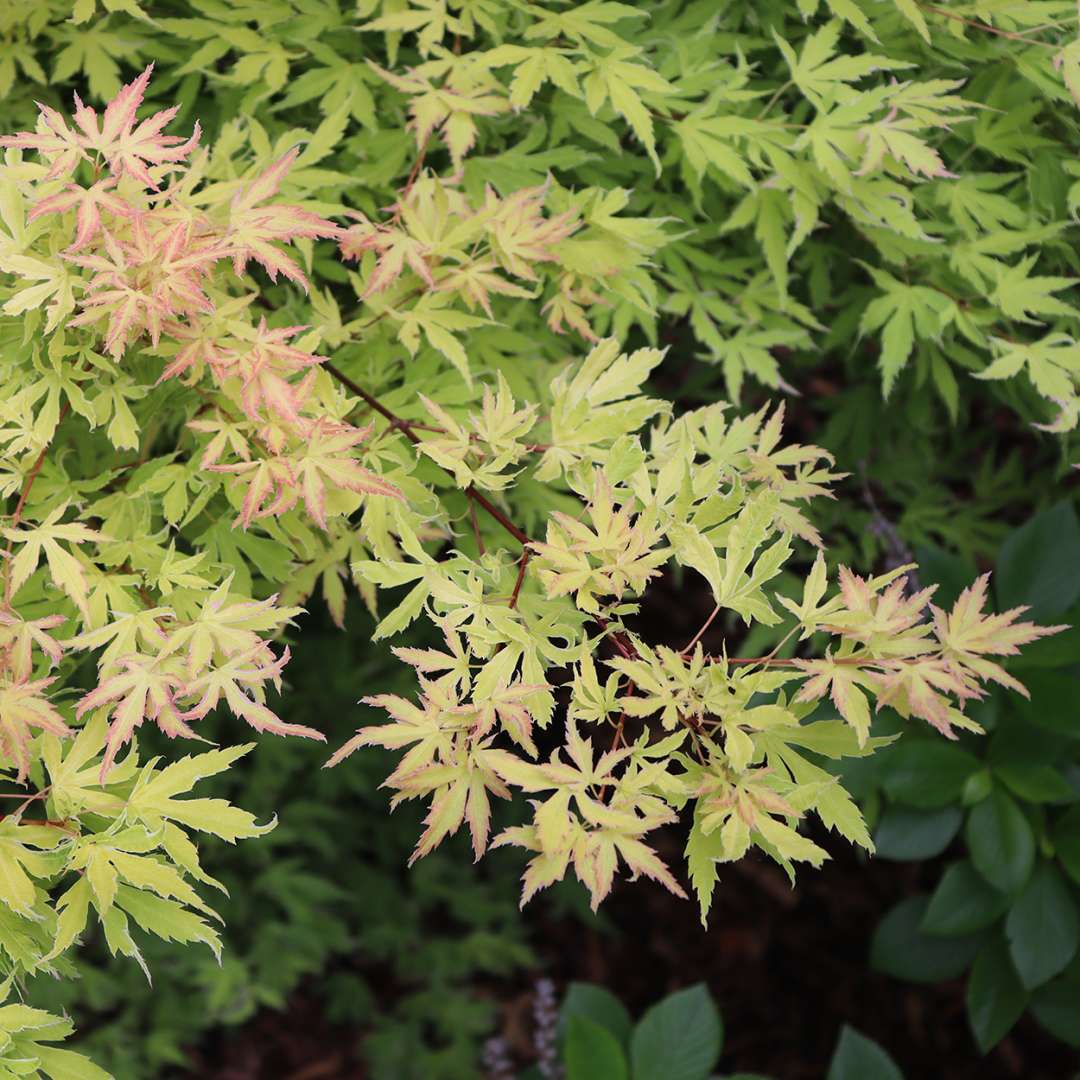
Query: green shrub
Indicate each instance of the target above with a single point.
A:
(1005, 809)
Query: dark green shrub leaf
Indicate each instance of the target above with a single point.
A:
(1043, 927)
(1052, 704)
(1001, 842)
(679, 1038)
(1056, 1006)
(1035, 782)
(901, 949)
(950, 571)
(995, 995)
(905, 834)
(963, 903)
(599, 1005)
(858, 1058)
(1066, 838)
(1037, 564)
(592, 1052)
(926, 774)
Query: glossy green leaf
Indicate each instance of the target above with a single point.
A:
(1043, 926)
(679, 1038)
(962, 903)
(995, 995)
(857, 1057)
(1001, 842)
(902, 949)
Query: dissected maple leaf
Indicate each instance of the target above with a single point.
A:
(23, 707)
(53, 139)
(255, 230)
(127, 148)
(65, 570)
(968, 635)
(88, 204)
(143, 687)
(242, 680)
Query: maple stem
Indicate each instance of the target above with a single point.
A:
(373, 402)
(618, 639)
(24, 494)
(476, 530)
(487, 505)
(774, 99)
(62, 823)
(418, 164)
(705, 626)
(1012, 35)
(406, 428)
(523, 563)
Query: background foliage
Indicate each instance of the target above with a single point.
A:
(767, 195)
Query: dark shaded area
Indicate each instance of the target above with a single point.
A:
(787, 966)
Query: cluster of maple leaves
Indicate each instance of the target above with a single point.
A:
(155, 264)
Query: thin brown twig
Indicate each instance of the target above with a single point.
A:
(1012, 35)
(24, 494)
(523, 563)
(705, 626)
(476, 529)
(405, 427)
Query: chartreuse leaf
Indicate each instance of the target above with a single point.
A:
(155, 797)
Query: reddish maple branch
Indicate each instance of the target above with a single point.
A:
(705, 626)
(987, 28)
(406, 428)
(24, 494)
(523, 563)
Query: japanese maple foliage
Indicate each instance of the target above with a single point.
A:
(162, 320)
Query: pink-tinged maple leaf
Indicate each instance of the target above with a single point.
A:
(841, 682)
(395, 249)
(520, 234)
(127, 148)
(254, 230)
(225, 627)
(270, 487)
(140, 283)
(565, 307)
(264, 369)
(143, 687)
(448, 109)
(225, 435)
(200, 346)
(926, 688)
(23, 707)
(475, 282)
(327, 461)
(19, 636)
(242, 680)
(88, 204)
(53, 139)
(967, 635)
